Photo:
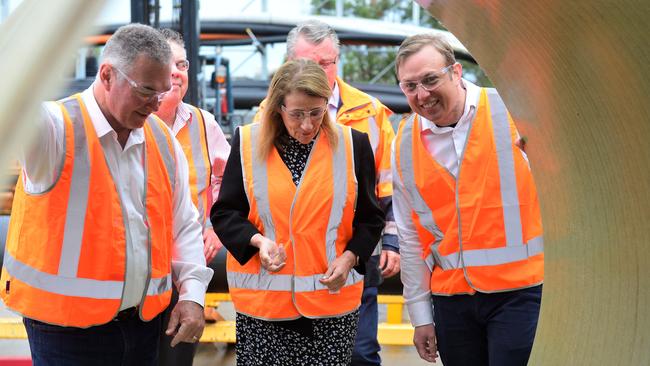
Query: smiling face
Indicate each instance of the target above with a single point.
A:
(179, 78)
(303, 115)
(444, 105)
(325, 54)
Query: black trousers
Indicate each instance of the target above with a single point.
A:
(487, 329)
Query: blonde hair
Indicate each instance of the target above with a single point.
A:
(300, 75)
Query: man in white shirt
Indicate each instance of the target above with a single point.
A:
(114, 280)
(206, 147)
(467, 215)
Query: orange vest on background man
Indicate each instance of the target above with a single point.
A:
(313, 221)
(481, 231)
(64, 260)
(193, 139)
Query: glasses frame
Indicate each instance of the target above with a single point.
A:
(328, 63)
(303, 114)
(141, 91)
(183, 65)
(419, 83)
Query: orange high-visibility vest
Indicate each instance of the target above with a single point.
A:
(483, 230)
(194, 141)
(65, 256)
(313, 222)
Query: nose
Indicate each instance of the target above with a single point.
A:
(421, 92)
(307, 125)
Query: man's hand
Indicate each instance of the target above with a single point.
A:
(272, 256)
(186, 322)
(389, 263)
(338, 270)
(211, 245)
(424, 339)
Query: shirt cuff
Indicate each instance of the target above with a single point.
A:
(421, 312)
(390, 242)
(193, 290)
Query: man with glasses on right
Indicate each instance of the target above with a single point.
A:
(467, 214)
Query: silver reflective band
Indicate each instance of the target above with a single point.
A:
(199, 161)
(283, 282)
(506, 163)
(158, 286)
(166, 151)
(408, 173)
(489, 257)
(67, 286)
(78, 197)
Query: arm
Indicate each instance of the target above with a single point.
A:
(368, 219)
(229, 215)
(188, 263)
(389, 262)
(415, 274)
(218, 149)
(43, 159)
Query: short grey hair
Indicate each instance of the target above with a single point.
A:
(133, 40)
(413, 44)
(313, 31)
(172, 36)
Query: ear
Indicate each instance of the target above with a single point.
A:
(106, 76)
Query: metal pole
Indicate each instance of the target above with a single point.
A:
(190, 29)
(140, 11)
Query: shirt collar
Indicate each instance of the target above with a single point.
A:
(183, 117)
(333, 102)
(99, 121)
(473, 93)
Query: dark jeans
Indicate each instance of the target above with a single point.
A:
(366, 347)
(129, 341)
(183, 353)
(487, 329)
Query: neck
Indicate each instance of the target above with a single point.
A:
(167, 113)
(122, 133)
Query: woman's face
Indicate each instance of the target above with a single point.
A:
(302, 115)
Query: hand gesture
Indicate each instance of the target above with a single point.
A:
(272, 255)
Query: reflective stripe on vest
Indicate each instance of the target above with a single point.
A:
(515, 248)
(194, 141)
(66, 282)
(277, 282)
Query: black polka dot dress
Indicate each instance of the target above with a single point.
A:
(309, 342)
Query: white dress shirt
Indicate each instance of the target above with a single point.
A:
(218, 147)
(445, 144)
(333, 102)
(42, 164)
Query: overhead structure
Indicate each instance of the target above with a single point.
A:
(576, 76)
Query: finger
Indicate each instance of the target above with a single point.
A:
(183, 335)
(173, 322)
(382, 259)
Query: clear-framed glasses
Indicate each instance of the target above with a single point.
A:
(429, 82)
(183, 65)
(298, 115)
(141, 91)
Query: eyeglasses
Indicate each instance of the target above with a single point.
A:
(298, 115)
(430, 82)
(183, 65)
(327, 63)
(141, 91)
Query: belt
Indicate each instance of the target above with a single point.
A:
(126, 314)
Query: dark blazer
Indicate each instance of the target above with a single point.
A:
(229, 215)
